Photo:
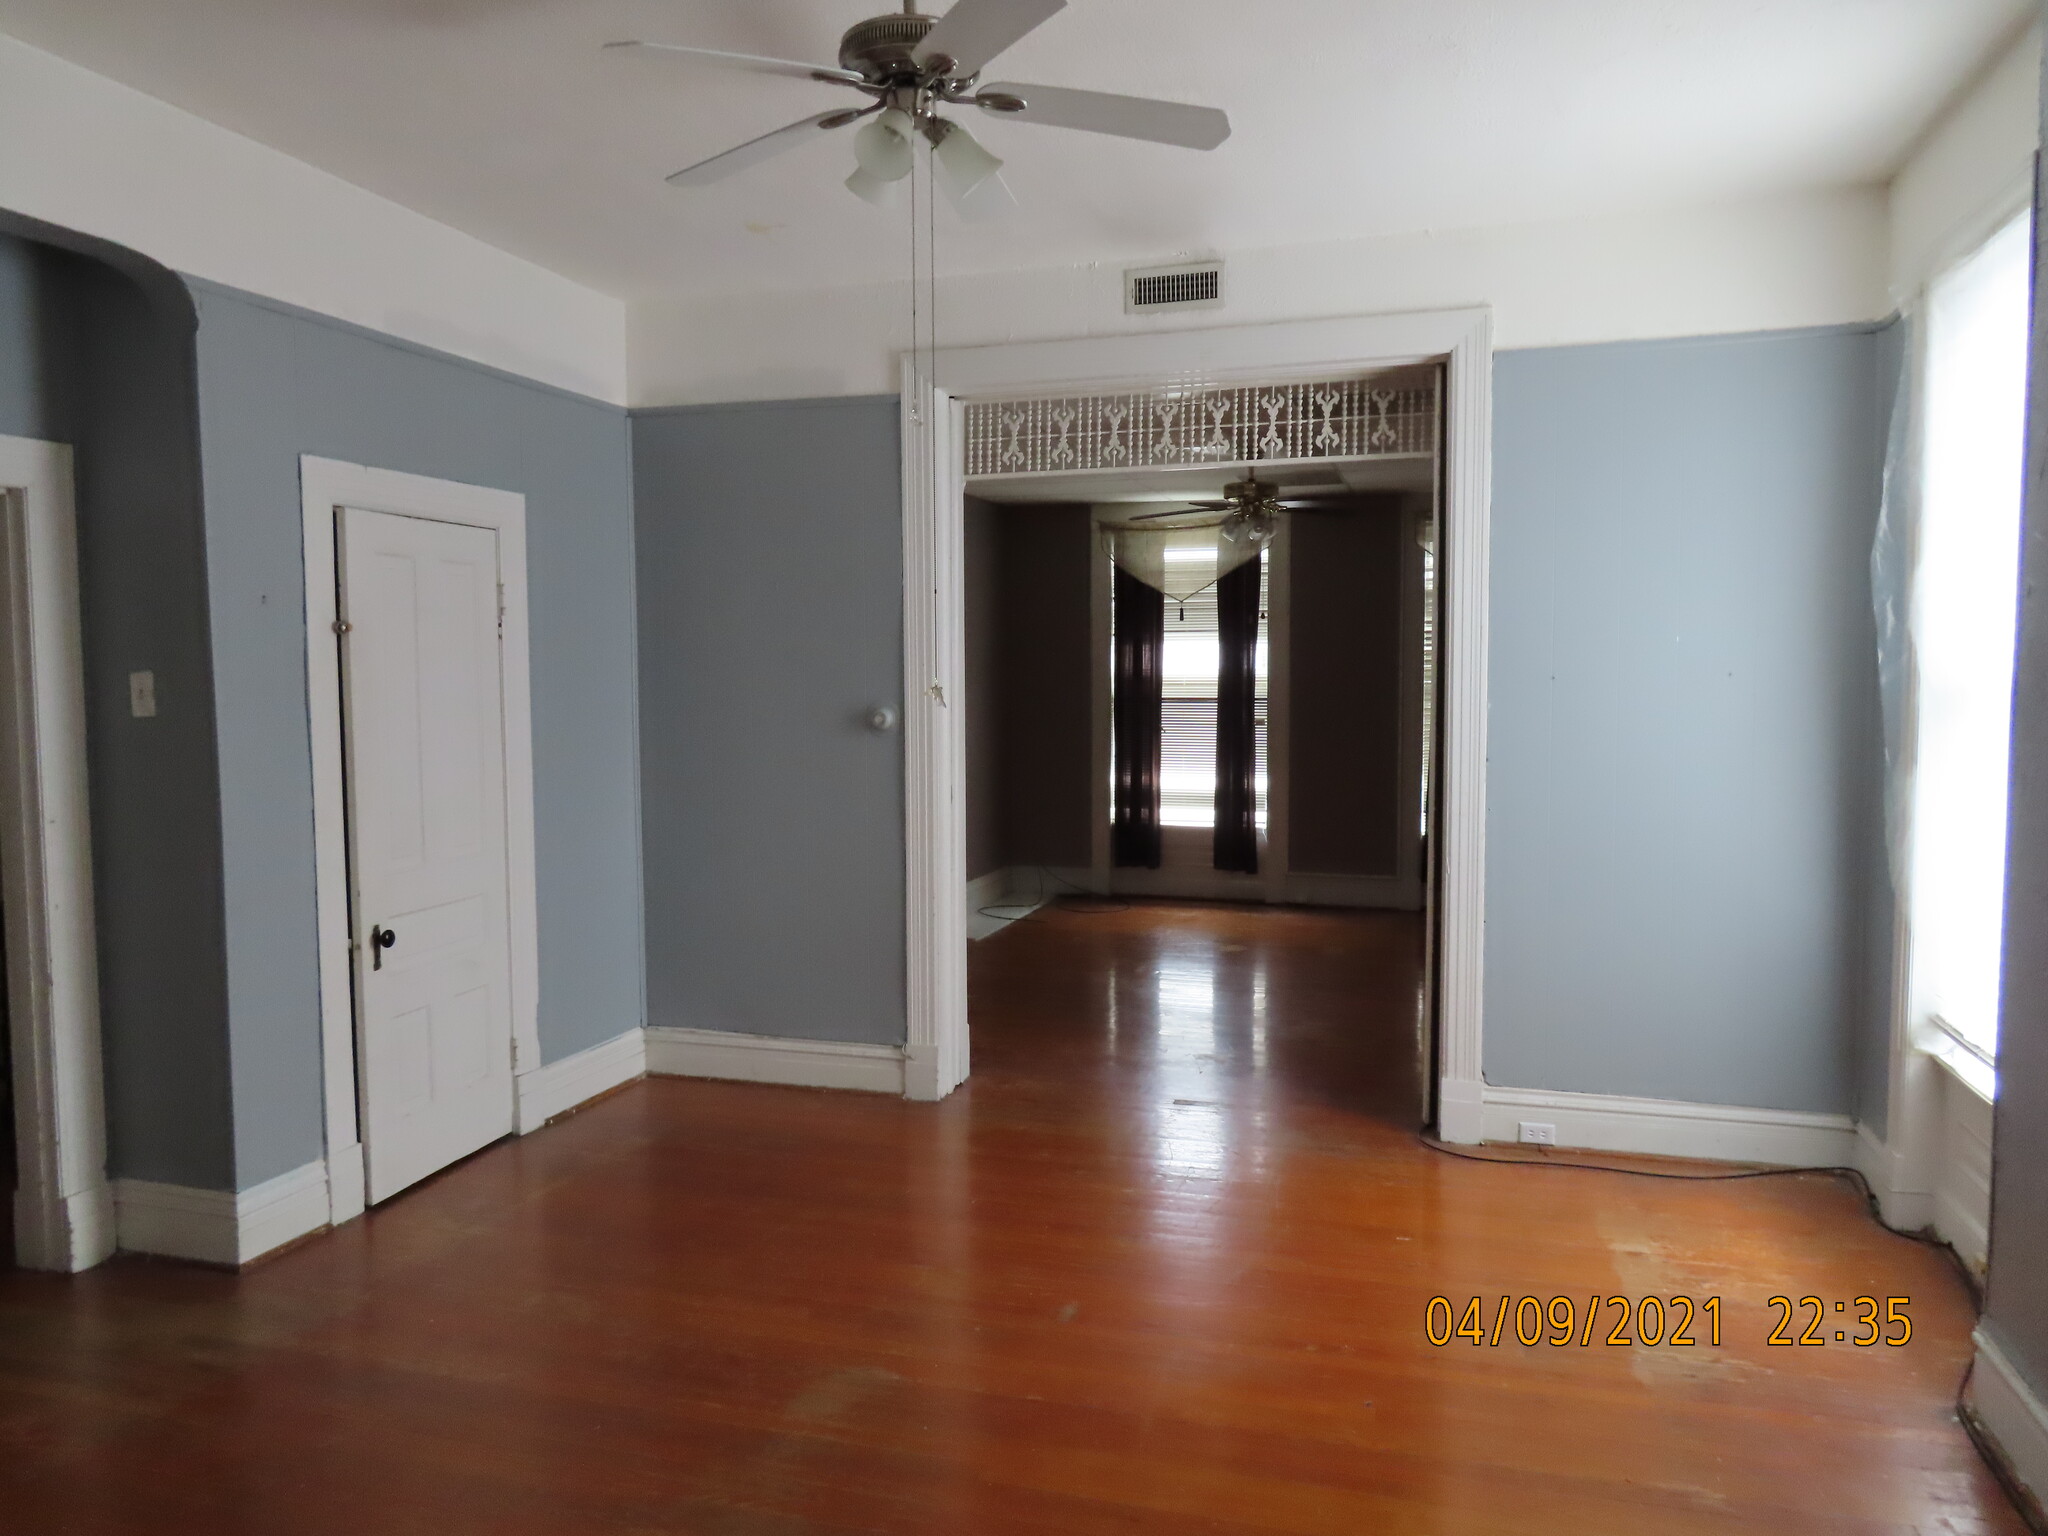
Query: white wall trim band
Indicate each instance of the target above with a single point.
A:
(213, 1226)
(2011, 1415)
(563, 1085)
(772, 1059)
(1672, 1128)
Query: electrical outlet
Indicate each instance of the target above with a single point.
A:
(1537, 1133)
(142, 694)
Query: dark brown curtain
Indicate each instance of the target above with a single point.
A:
(1139, 678)
(1237, 631)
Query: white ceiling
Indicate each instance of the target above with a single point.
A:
(1352, 117)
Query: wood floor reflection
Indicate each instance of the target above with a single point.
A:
(1161, 1267)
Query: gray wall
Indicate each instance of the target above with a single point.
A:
(771, 621)
(1046, 672)
(1681, 809)
(1344, 768)
(96, 350)
(275, 383)
(2016, 1314)
(1029, 684)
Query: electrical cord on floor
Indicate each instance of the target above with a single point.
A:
(1024, 909)
(2021, 1500)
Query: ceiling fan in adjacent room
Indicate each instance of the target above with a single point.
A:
(912, 67)
(1251, 509)
(1215, 536)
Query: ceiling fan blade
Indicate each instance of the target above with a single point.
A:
(975, 31)
(1127, 117)
(745, 156)
(749, 61)
(1189, 510)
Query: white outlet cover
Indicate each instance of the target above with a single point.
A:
(1539, 1133)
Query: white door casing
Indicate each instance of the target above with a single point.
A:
(935, 390)
(426, 795)
(326, 486)
(63, 1207)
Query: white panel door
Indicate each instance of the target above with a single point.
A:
(426, 798)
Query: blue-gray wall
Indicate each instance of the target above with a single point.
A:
(2016, 1310)
(275, 383)
(1682, 820)
(1682, 793)
(96, 350)
(771, 621)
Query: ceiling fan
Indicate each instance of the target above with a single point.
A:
(911, 66)
(1252, 507)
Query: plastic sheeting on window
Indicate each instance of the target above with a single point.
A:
(1891, 592)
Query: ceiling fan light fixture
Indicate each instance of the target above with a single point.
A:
(870, 188)
(963, 164)
(883, 147)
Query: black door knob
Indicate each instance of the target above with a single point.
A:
(381, 939)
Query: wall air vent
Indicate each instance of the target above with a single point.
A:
(1197, 285)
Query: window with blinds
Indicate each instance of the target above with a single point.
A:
(1187, 768)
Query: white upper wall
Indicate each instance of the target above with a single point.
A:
(1797, 261)
(81, 151)
(1971, 171)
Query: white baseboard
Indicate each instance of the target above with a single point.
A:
(772, 1059)
(1188, 884)
(1908, 1209)
(2010, 1413)
(1380, 892)
(1673, 1128)
(560, 1086)
(348, 1184)
(74, 1234)
(1460, 1111)
(1009, 891)
(1375, 892)
(986, 890)
(216, 1227)
(1962, 1178)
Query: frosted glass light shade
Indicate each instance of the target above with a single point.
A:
(883, 146)
(962, 162)
(870, 188)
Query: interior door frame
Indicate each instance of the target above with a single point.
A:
(63, 1206)
(936, 389)
(326, 485)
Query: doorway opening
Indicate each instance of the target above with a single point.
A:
(1265, 715)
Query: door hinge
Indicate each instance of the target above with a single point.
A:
(501, 608)
(342, 626)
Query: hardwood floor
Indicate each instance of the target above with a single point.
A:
(1163, 1266)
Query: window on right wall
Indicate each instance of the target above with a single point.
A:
(1965, 616)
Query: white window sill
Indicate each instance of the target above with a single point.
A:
(1963, 1063)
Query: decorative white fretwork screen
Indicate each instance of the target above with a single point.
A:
(1387, 415)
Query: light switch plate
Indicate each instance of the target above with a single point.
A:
(142, 694)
